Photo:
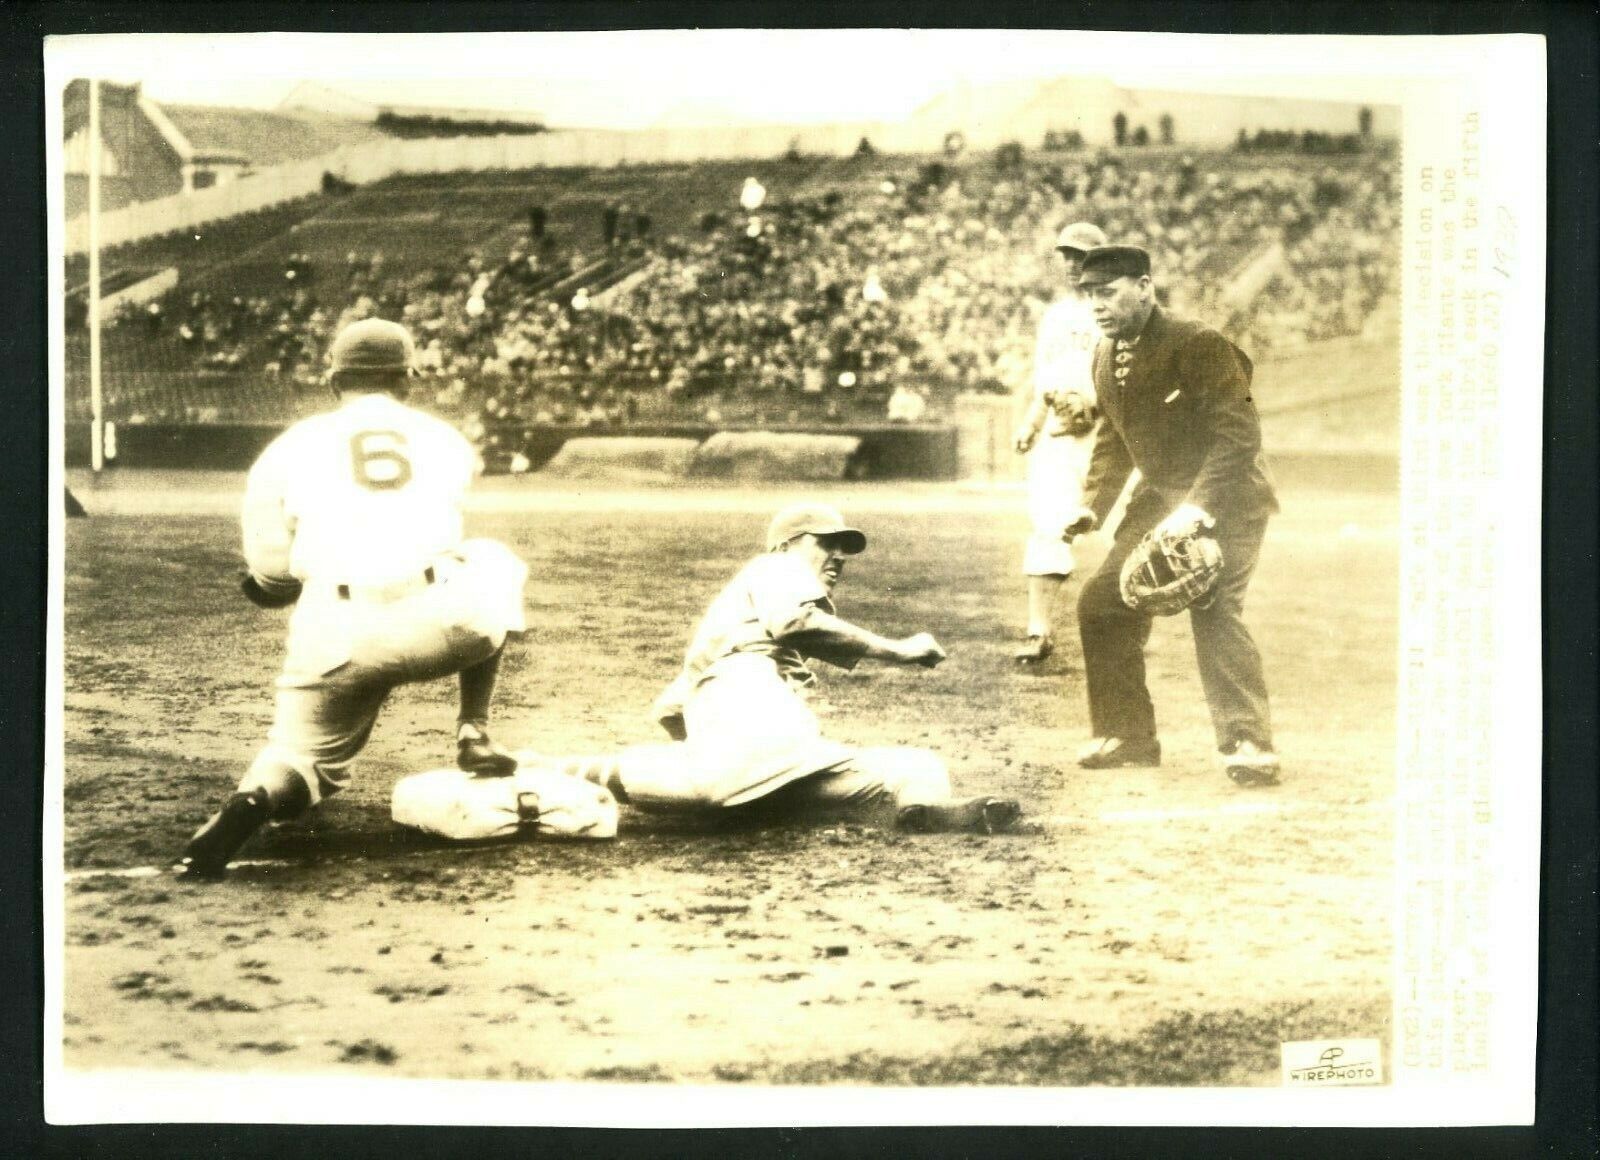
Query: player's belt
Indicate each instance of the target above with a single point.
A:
(384, 592)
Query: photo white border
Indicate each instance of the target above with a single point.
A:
(1425, 75)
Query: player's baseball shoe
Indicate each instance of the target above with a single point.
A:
(977, 815)
(477, 754)
(215, 843)
(1119, 752)
(1250, 766)
(1034, 650)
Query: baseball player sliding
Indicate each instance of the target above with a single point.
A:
(354, 517)
(1061, 409)
(738, 710)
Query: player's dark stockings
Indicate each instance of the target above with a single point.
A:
(477, 690)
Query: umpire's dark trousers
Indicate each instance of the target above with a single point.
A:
(1114, 637)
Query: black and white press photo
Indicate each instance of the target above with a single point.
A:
(593, 563)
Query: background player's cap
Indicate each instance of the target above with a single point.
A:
(1083, 236)
(1108, 263)
(817, 519)
(372, 345)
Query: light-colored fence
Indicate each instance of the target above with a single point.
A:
(187, 210)
(378, 159)
(139, 293)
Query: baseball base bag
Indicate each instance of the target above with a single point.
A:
(464, 808)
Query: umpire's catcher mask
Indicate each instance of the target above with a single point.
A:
(1166, 574)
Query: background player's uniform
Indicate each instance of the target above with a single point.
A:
(740, 700)
(363, 506)
(1062, 365)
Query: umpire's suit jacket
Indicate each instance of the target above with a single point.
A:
(1182, 414)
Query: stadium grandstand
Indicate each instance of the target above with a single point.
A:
(631, 296)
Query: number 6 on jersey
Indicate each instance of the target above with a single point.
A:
(377, 461)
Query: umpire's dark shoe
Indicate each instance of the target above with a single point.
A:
(1251, 767)
(214, 844)
(1118, 752)
(477, 754)
(976, 815)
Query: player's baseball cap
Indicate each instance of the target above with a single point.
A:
(1083, 236)
(818, 520)
(1108, 263)
(372, 344)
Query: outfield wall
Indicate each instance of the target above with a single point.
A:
(897, 452)
(887, 451)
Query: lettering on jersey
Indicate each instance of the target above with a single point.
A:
(377, 461)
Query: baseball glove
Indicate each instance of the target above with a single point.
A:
(273, 594)
(1078, 415)
(1168, 573)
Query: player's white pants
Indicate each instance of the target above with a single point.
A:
(751, 734)
(1056, 468)
(345, 655)
(678, 775)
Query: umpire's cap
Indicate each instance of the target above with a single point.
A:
(817, 519)
(1084, 236)
(1108, 263)
(372, 345)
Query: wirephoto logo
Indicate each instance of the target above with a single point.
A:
(1332, 1063)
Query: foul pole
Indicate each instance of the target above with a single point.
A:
(97, 449)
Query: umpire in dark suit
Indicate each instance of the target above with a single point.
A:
(1175, 403)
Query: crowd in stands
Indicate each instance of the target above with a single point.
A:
(939, 277)
(1309, 141)
(880, 297)
(280, 337)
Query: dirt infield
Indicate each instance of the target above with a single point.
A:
(1147, 926)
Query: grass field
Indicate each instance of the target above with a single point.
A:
(1144, 927)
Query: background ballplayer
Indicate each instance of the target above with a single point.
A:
(355, 516)
(1053, 434)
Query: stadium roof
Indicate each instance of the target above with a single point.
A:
(443, 113)
(259, 137)
(320, 98)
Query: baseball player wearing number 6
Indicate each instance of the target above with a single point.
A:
(354, 517)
